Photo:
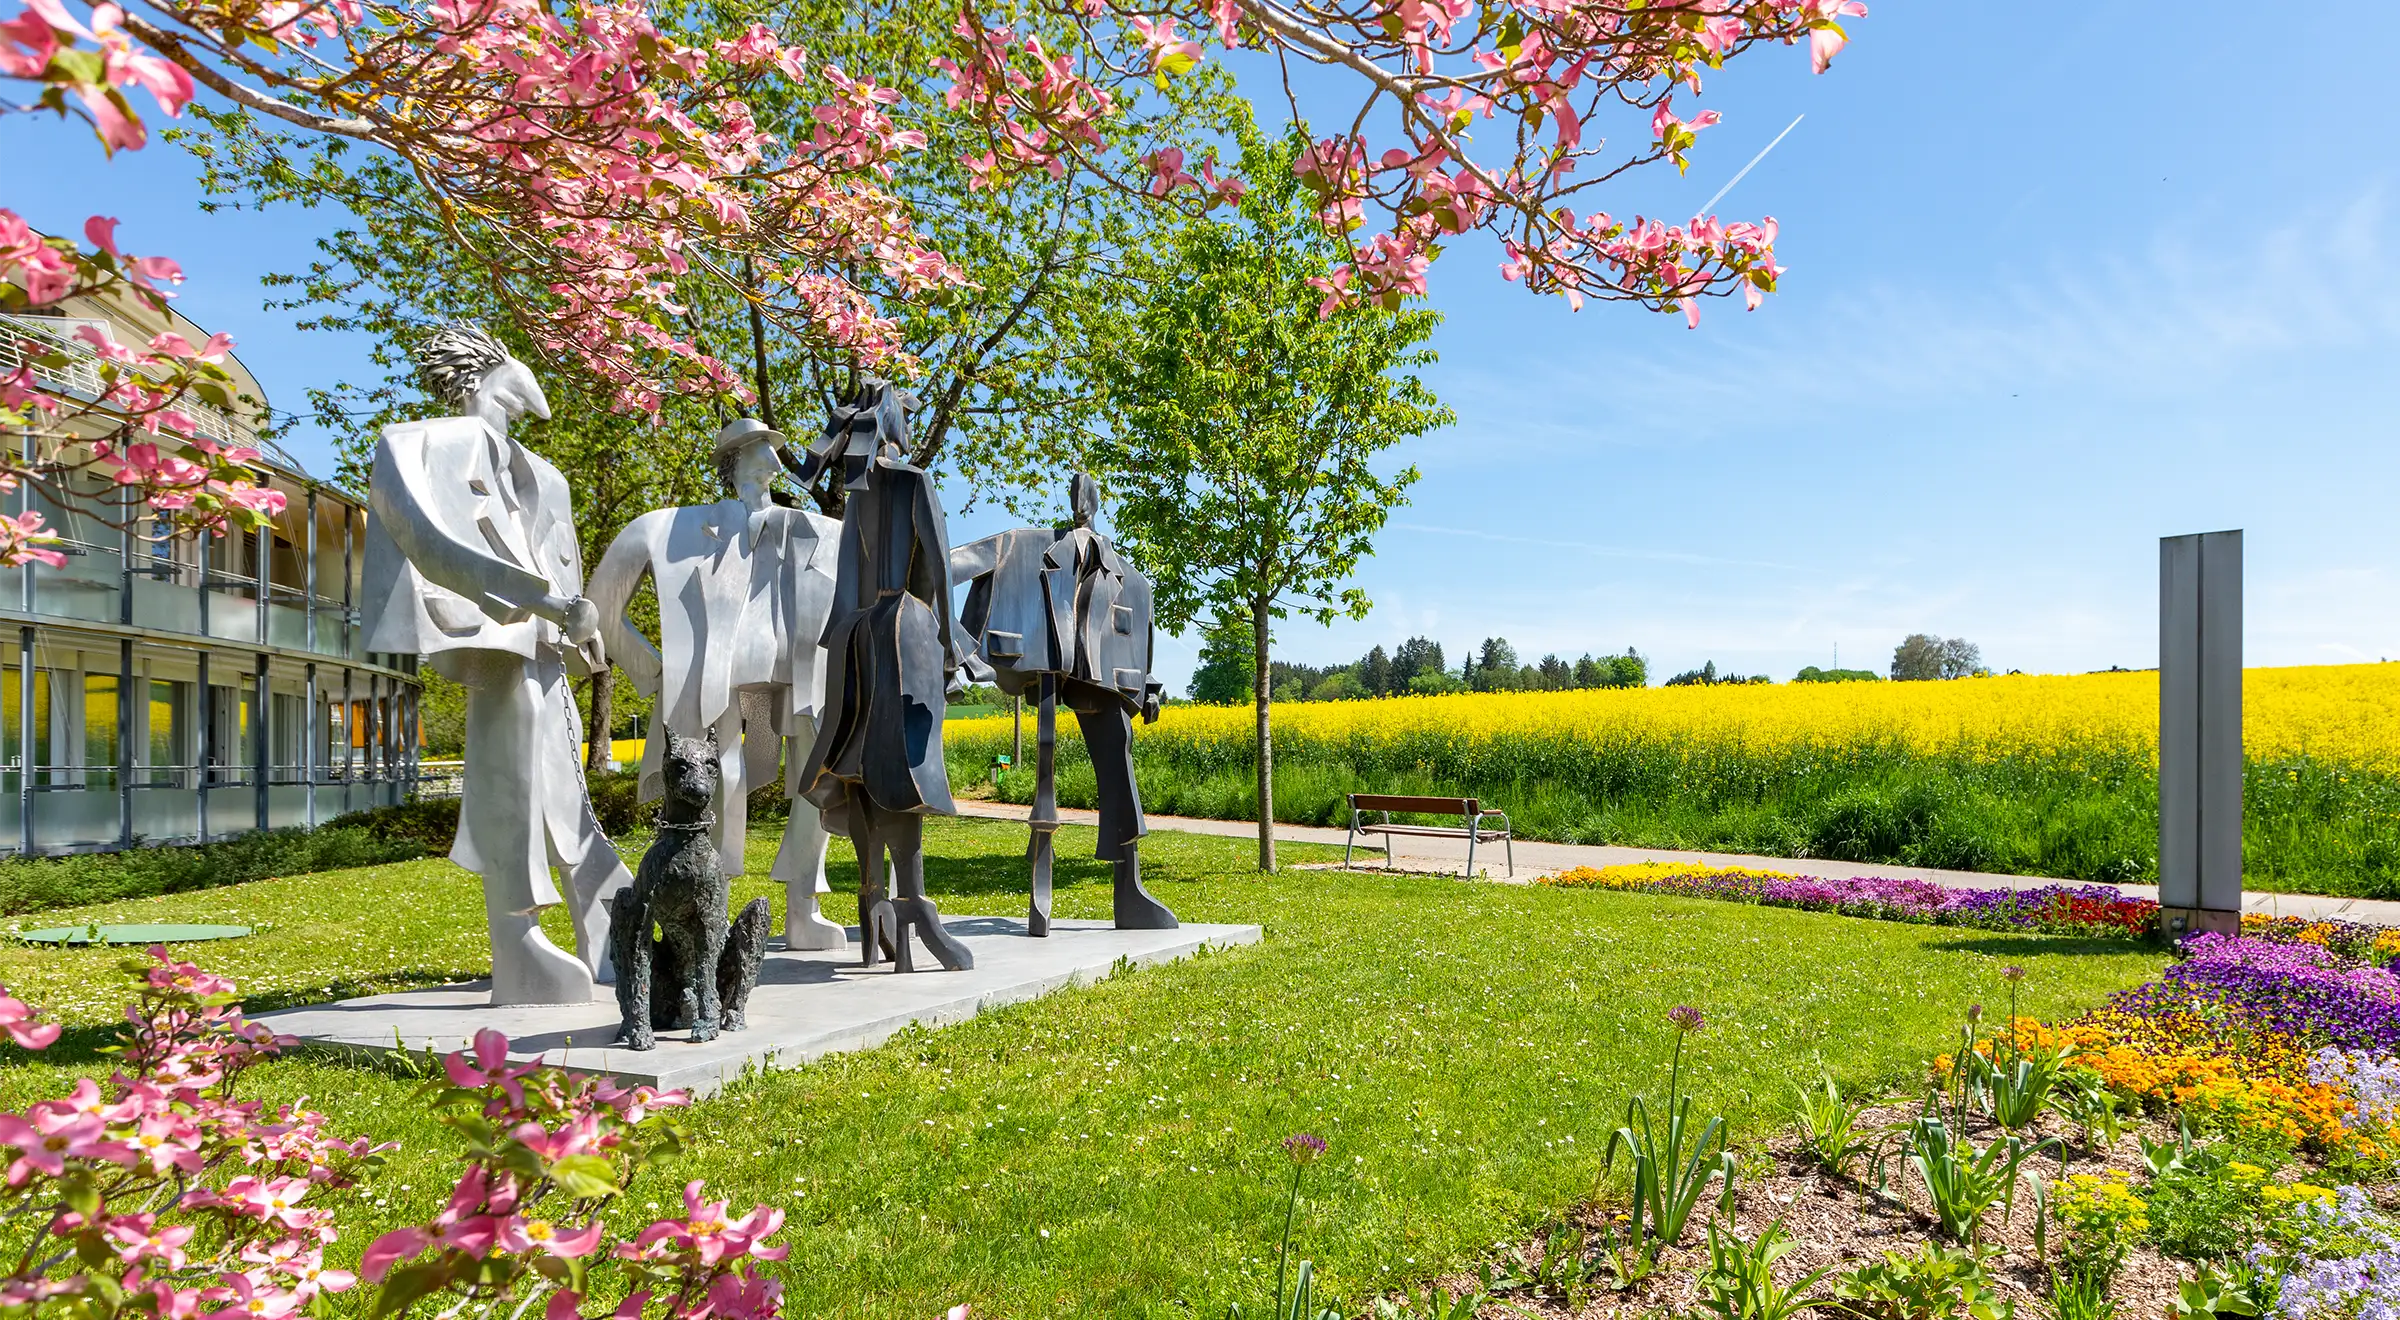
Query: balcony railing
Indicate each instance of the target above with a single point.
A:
(80, 376)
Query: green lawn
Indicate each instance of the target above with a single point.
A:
(1113, 1150)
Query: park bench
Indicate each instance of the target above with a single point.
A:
(1470, 812)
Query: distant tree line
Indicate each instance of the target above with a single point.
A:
(1812, 674)
(1707, 676)
(1417, 667)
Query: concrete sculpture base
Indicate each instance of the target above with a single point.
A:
(808, 1003)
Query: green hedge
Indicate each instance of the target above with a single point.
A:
(361, 838)
(39, 884)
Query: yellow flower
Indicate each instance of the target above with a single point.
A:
(2348, 714)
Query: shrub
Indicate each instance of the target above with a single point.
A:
(431, 824)
(39, 884)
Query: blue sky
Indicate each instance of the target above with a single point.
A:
(2062, 282)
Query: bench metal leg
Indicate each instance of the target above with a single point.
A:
(1349, 839)
(1511, 842)
(1471, 833)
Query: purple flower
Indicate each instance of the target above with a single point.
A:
(2365, 1282)
(2012, 974)
(2374, 1081)
(1686, 1018)
(1974, 1012)
(1304, 1147)
(2079, 908)
(2297, 989)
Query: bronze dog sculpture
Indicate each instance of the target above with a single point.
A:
(699, 970)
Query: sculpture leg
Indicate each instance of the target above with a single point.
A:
(737, 969)
(576, 844)
(1135, 908)
(732, 803)
(914, 912)
(1108, 735)
(594, 880)
(1041, 848)
(709, 953)
(629, 933)
(800, 865)
(877, 935)
(503, 828)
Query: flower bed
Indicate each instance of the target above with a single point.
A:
(2303, 990)
(2057, 909)
(2252, 1034)
(2224, 1071)
(2073, 909)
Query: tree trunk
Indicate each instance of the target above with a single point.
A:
(758, 349)
(604, 717)
(1266, 736)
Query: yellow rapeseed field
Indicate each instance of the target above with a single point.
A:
(2338, 713)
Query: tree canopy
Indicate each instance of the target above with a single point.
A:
(1246, 424)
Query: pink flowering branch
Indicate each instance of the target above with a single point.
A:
(159, 1194)
(548, 1152)
(1499, 110)
(588, 160)
(141, 438)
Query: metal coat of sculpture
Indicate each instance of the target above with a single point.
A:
(1060, 612)
(892, 656)
(745, 588)
(699, 970)
(471, 560)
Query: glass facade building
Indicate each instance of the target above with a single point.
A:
(177, 687)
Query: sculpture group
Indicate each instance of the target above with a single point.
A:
(789, 644)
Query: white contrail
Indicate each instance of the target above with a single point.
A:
(1754, 160)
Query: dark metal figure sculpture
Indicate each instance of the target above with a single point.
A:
(891, 660)
(699, 971)
(1060, 612)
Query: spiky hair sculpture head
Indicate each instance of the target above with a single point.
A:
(453, 360)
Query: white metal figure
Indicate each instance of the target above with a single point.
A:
(744, 589)
(471, 561)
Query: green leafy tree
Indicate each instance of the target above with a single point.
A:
(1224, 677)
(1435, 683)
(1496, 668)
(1416, 656)
(1375, 673)
(1003, 363)
(1247, 428)
(1629, 670)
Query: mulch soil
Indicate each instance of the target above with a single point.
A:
(1844, 1223)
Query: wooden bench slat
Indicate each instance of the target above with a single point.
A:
(1432, 806)
(1433, 831)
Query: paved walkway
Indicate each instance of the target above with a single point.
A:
(1534, 860)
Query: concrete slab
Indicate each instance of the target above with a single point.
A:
(807, 1004)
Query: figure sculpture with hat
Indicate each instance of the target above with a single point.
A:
(745, 587)
(1060, 612)
(893, 658)
(471, 561)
